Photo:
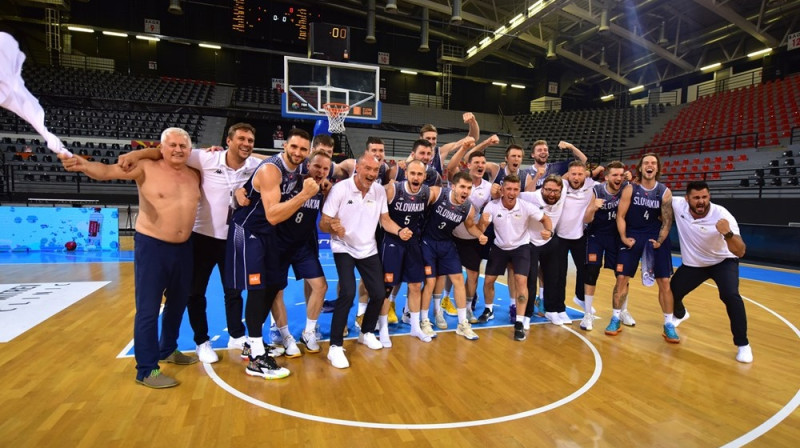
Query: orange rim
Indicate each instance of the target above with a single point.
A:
(334, 109)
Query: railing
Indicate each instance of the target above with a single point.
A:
(734, 82)
(731, 142)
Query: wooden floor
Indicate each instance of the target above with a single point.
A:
(63, 385)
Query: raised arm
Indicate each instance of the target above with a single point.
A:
(575, 151)
(128, 160)
(530, 184)
(735, 242)
(622, 210)
(473, 133)
(594, 205)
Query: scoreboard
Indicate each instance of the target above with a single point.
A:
(329, 42)
(273, 21)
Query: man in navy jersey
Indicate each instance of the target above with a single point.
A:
(541, 168)
(644, 217)
(430, 133)
(602, 237)
(351, 214)
(513, 159)
(258, 258)
(402, 260)
(450, 208)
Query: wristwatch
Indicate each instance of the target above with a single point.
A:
(728, 235)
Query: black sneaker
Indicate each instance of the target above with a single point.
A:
(519, 332)
(245, 351)
(486, 316)
(266, 367)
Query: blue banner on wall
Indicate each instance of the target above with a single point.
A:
(58, 229)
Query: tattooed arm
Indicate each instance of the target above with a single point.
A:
(666, 219)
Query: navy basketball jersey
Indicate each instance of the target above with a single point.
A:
(551, 168)
(605, 218)
(436, 161)
(645, 209)
(302, 226)
(432, 178)
(408, 209)
(502, 173)
(253, 217)
(445, 216)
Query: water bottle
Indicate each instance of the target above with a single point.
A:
(95, 230)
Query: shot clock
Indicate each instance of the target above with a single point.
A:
(329, 42)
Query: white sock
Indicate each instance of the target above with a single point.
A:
(587, 304)
(311, 325)
(383, 322)
(667, 318)
(362, 308)
(615, 312)
(285, 331)
(526, 320)
(415, 322)
(541, 293)
(462, 315)
(520, 318)
(256, 347)
(437, 303)
(490, 306)
(424, 313)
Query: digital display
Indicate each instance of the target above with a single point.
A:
(330, 42)
(272, 21)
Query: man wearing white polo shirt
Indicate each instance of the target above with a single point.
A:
(570, 238)
(710, 248)
(223, 172)
(511, 219)
(351, 214)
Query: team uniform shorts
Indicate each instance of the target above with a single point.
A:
(602, 249)
(628, 258)
(440, 258)
(402, 262)
(254, 260)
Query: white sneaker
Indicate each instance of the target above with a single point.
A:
(586, 322)
(236, 343)
(565, 319)
(406, 318)
(745, 353)
(421, 335)
(553, 318)
(440, 322)
(427, 328)
(309, 339)
(385, 341)
(676, 321)
(526, 323)
(465, 329)
(582, 304)
(337, 358)
(206, 354)
(626, 318)
(370, 341)
(275, 351)
(471, 316)
(292, 350)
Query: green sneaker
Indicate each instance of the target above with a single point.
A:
(157, 380)
(179, 358)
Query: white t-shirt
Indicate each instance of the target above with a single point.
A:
(359, 216)
(511, 227)
(571, 225)
(552, 211)
(701, 244)
(479, 196)
(219, 182)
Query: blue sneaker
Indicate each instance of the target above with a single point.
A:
(670, 335)
(328, 306)
(275, 335)
(614, 327)
(538, 307)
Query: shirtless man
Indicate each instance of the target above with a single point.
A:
(169, 192)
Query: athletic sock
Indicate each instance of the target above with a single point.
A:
(490, 306)
(311, 325)
(362, 308)
(437, 303)
(285, 331)
(587, 303)
(616, 313)
(462, 314)
(256, 347)
(667, 318)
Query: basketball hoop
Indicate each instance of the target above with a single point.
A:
(336, 113)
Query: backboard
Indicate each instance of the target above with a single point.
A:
(310, 83)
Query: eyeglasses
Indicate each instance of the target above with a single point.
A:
(551, 190)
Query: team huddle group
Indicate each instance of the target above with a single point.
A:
(421, 222)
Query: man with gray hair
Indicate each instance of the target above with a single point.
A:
(169, 192)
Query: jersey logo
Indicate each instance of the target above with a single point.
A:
(592, 257)
(428, 270)
(254, 279)
(388, 277)
(620, 267)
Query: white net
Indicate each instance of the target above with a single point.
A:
(336, 113)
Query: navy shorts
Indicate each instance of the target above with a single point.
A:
(402, 262)
(520, 258)
(254, 260)
(628, 258)
(440, 258)
(469, 252)
(305, 262)
(602, 248)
